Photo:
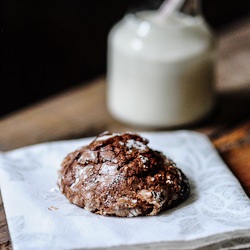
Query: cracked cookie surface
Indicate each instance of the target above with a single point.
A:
(119, 175)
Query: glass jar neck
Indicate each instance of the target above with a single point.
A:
(191, 7)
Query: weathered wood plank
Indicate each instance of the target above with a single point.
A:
(234, 147)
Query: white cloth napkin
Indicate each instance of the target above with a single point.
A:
(216, 215)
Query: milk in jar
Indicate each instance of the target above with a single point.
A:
(160, 74)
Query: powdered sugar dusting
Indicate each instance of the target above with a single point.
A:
(143, 159)
(78, 175)
(108, 169)
(133, 212)
(108, 175)
(86, 170)
(89, 155)
(136, 144)
(169, 182)
(106, 137)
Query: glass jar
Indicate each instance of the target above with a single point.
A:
(160, 74)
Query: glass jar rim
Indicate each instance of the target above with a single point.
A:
(178, 19)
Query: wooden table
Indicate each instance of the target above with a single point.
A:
(81, 112)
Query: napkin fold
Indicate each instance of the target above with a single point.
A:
(216, 215)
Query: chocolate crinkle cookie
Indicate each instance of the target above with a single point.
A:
(119, 175)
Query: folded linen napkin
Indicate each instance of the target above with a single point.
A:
(215, 216)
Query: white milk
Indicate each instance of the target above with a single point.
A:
(160, 74)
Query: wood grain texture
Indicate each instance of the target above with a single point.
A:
(234, 147)
(4, 232)
(68, 115)
(82, 112)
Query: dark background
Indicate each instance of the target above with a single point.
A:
(47, 46)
